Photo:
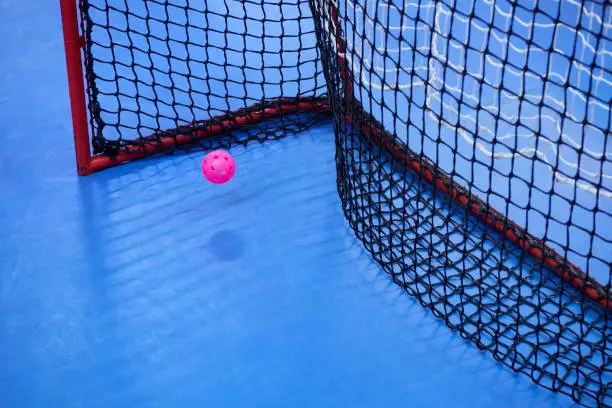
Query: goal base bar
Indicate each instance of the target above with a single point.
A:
(192, 133)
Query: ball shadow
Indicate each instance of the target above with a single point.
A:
(226, 246)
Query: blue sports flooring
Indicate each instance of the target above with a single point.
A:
(145, 286)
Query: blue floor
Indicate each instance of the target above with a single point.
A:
(144, 286)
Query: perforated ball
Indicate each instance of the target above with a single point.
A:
(218, 167)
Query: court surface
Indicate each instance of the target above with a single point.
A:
(145, 286)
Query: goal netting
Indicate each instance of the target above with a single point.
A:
(474, 158)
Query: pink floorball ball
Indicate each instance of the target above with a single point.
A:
(218, 167)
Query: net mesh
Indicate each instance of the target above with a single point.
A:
(473, 151)
(158, 69)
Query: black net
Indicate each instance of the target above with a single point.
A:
(473, 151)
(158, 69)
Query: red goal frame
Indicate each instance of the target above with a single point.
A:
(88, 163)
